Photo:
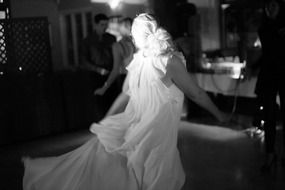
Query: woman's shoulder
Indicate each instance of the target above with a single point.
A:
(175, 58)
(173, 55)
(127, 46)
(125, 40)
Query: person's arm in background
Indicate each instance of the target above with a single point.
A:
(117, 59)
(178, 74)
(121, 101)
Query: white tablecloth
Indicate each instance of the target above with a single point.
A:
(226, 85)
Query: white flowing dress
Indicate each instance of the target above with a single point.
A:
(133, 150)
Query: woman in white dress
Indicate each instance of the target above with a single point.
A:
(135, 149)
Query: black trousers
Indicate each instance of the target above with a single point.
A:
(270, 113)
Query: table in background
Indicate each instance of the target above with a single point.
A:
(226, 85)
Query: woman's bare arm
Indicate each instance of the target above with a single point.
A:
(121, 101)
(184, 81)
(117, 61)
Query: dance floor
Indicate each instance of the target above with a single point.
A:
(214, 157)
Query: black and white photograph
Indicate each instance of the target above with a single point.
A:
(142, 94)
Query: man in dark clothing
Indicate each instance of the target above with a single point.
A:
(272, 74)
(96, 57)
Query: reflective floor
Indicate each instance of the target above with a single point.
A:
(214, 157)
(226, 158)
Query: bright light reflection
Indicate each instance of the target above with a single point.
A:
(257, 43)
(114, 3)
(134, 2)
(2, 15)
(225, 6)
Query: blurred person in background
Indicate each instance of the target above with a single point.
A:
(97, 58)
(122, 51)
(271, 76)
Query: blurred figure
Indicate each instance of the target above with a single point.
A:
(96, 53)
(187, 38)
(97, 58)
(122, 55)
(272, 75)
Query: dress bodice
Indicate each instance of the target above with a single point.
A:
(146, 87)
